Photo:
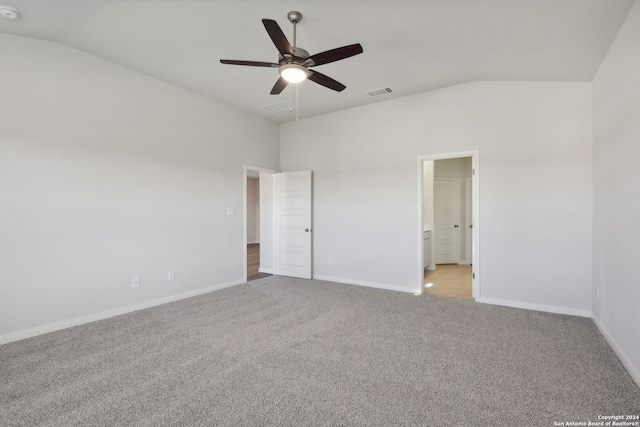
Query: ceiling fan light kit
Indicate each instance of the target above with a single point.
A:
(294, 62)
(293, 73)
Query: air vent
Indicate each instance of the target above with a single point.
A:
(378, 92)
(278, 107)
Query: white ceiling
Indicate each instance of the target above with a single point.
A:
(410, 45)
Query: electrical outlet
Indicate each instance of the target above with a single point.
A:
(329, 261)
(171, 276)
(230, 211)
(135, 282)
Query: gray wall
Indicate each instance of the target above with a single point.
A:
(535, 153)
(106, 175)
(616, 276)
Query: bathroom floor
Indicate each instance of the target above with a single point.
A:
(451, 280)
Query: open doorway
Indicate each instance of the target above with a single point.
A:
(258, 222)
(449, 225)
(285, 249)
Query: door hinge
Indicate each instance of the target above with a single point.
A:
(473, 171)
(474, 275)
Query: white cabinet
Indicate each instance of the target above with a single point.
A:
(427, 248)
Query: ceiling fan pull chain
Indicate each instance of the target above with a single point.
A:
(297, 103)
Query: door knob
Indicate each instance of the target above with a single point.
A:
(306, 230)
(456, 226)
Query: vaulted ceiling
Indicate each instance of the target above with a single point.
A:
(409, 45)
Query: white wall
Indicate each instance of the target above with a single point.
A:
(616, 276)
(534, 141)
(106, 174)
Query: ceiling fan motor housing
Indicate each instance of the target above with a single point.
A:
(300, 57)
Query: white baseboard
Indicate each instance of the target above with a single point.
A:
(635, 374)
(537, 307)
(367, 284)
(266, 270)
(52, 327)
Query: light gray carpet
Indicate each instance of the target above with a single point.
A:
(286, 352)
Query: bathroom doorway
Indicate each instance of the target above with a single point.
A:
(449, 225)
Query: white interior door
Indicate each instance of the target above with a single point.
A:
(446, 207)
(293, 224)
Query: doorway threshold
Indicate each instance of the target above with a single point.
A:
(258, 276)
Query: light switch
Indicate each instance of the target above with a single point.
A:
(230, 211)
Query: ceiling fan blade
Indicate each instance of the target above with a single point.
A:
(279, 86)
(326, 81)
(336, 54)
(278, 37)
(250, 63)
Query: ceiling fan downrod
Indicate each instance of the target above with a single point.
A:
(294, 18)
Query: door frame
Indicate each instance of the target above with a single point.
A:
(246, 170)
(475, 216)
(468, 221)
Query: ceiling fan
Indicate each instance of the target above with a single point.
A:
(294, 63)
